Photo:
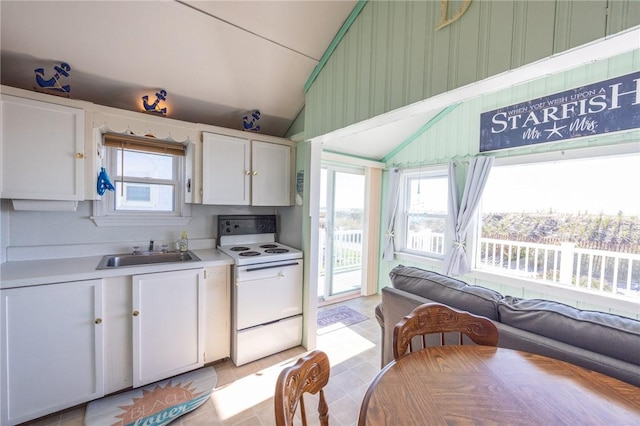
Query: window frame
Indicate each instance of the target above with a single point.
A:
(402, 215)
(528, 287)
(104, 210)
(113, 156)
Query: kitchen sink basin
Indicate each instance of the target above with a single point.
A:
(145, 258)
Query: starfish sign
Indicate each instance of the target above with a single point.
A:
(555, 130)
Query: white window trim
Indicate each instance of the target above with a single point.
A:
(581, 296)
(401, 251)
(104, 215)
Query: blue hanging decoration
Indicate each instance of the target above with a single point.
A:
(53, 85)
(154, 107)
(104, 183)
(249, 122)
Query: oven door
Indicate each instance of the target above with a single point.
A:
(267, 292)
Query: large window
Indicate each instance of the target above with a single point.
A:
(571, 222)
(423, 213)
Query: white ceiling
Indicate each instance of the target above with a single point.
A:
(217, 60)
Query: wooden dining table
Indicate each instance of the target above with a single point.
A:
(488, 385)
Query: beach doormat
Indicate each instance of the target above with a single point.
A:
(156, 404)
(338, 317)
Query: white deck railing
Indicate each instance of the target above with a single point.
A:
(599, 270)
(604, 271)
(427, 241)
(347, 250)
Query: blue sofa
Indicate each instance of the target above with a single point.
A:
(598, 341)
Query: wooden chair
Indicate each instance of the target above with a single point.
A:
(435, 318)
(310, 374)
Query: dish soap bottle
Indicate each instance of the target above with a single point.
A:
(183, 243)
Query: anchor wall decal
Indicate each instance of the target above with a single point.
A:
(160, 96)
(249, 122)
(53, 83)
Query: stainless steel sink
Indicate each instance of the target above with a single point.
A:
(145, 258)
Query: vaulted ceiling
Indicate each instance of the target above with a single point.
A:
(217, 60)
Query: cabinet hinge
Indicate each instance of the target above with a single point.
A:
(205, 274)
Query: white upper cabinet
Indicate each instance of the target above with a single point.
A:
(226, 170)
(238, 171)
(270, 174)
(42, 150)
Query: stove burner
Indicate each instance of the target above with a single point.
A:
(269, 246)
(249, 253)
(276, 250)
(239, 248)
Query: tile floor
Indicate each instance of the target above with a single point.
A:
(244, 395)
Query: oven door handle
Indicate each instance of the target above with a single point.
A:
(260, 268)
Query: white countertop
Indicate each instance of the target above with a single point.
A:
(26, 273)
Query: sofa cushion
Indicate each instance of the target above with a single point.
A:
(608, 334)
(449, 291)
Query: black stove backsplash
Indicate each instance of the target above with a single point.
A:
(246, 224)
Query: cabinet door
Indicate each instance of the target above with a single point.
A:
(42, 150)
(225, 170)
(217, 328)
(51, 348)
(271, 174)
(167, 324)
(118, 329)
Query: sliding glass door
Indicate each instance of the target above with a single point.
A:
(342, 202)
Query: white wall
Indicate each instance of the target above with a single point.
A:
(32, 229)
(4, 229)
(290, 225)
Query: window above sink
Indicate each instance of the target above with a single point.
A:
(149, 180)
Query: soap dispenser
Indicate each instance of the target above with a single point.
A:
(183, 244)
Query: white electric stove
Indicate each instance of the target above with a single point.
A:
(246, 251)
(266, 292)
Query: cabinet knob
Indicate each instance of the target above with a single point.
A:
(255, 173)
(247, 172)
(98, 321)
(136, 313)
(79, 155)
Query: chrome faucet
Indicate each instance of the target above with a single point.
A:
(150, 245)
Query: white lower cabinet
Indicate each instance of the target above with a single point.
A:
(67, 343)
(118, 341)
(51, 348)
(217, 328)
(168, 312)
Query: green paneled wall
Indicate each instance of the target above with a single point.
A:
(458, 133)
(391, 56)
(457, 136)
